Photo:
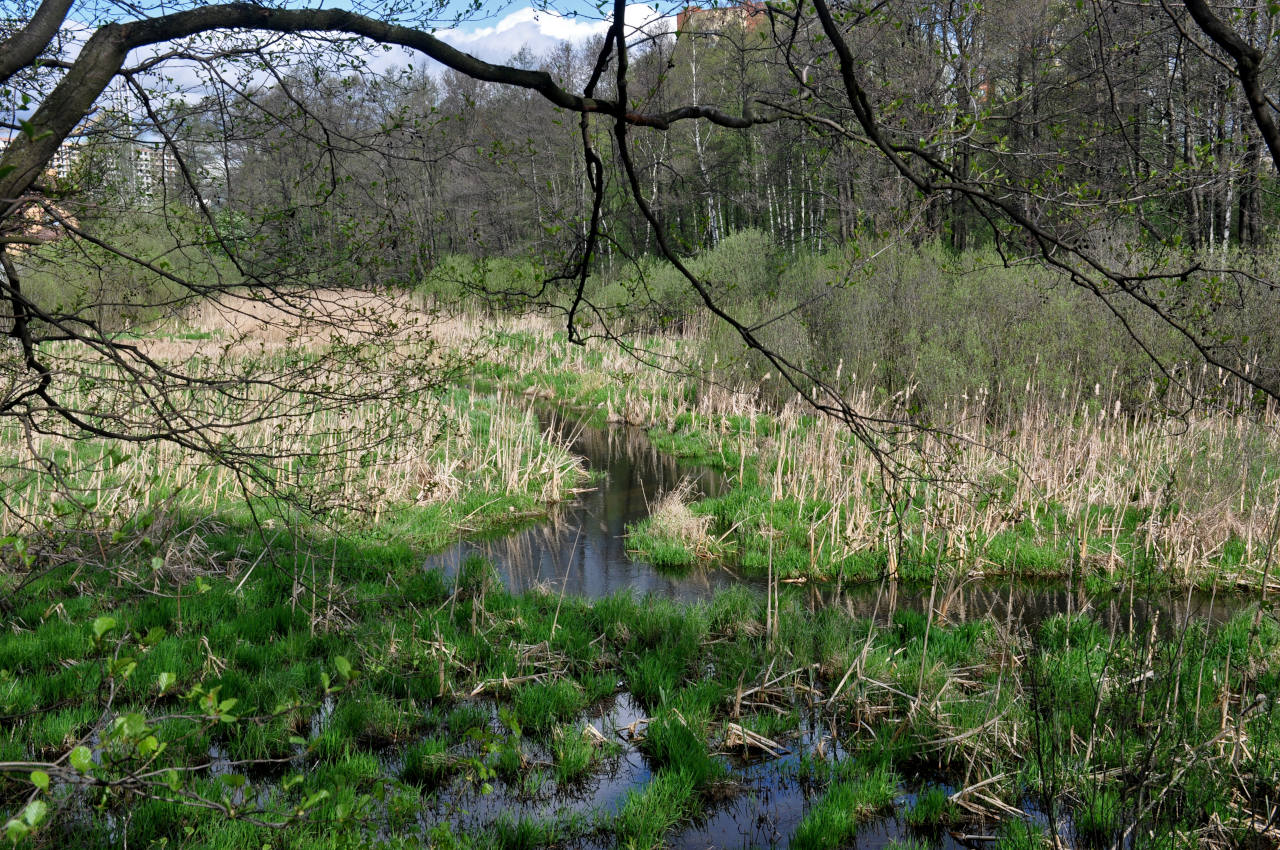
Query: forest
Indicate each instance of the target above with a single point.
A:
(809, 424)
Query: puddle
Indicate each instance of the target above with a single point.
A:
(759, 806)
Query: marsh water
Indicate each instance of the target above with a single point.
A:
(581, 549)
(760, 808)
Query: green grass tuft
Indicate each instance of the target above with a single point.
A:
(932, 809)
(649, 814)
(834, 820)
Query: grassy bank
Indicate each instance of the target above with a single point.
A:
(327, 699)
(420, 458)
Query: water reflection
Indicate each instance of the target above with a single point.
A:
(581, 549)
(1025, 604)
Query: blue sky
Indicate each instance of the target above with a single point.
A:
(499, 34)
(495, 33)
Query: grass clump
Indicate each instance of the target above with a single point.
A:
(907, 844)
(680, 744)
(649, 814)
(931, 810)
(673, 536)
(538, 707)
(574, 754)
(1020, 835)
(427, 763)
(834, 820)
(524, 833)
(1098, 820)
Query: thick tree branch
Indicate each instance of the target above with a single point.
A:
(23, 47)
(103, 56)
(1248, 64)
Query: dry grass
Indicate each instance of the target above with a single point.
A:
(1065, 471)
(671, 517)
(405, 441)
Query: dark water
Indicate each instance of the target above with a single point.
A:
(1024, 604)
(581, 549)
(760, 805)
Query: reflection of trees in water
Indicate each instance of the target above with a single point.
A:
(581, 549)
(625, 447)
(581, 546)
(1018, 606)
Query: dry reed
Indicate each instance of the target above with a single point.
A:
(1073, 463)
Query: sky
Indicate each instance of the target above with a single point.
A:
(540, 31)
(495, 37)
(498, 38)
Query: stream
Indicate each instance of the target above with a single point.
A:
(580, 549)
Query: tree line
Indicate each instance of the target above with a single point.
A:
(1120, 146)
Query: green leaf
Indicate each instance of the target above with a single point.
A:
(315, 800)
(165, 681)
(343, 666)
(81, 759)
(102, 625)
(134, 725)
(35, 813)
(15, 830)
(40, 779)
(29, 130)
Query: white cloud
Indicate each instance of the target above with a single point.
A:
(542, 31)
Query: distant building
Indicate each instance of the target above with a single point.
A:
(154, 168)
(126, 172)
(132, 169)
(65, 158)
(748, 15)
